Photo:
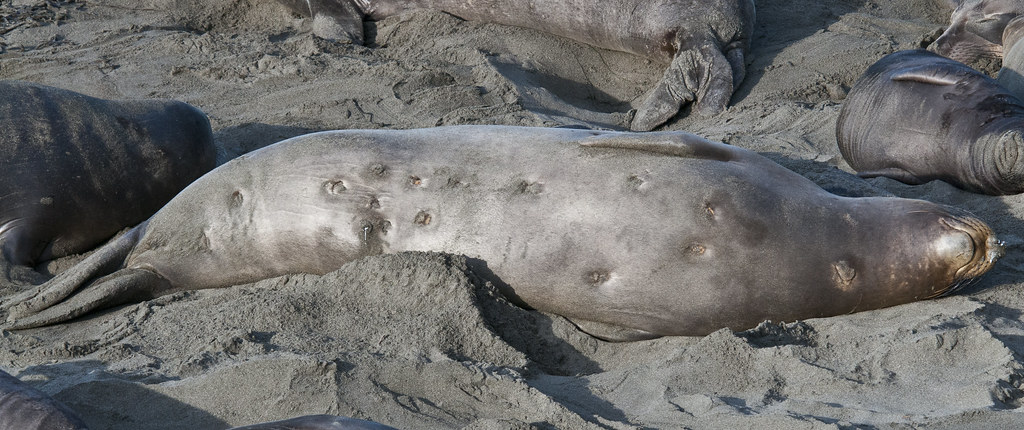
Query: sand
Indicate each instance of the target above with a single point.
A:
(419, 341)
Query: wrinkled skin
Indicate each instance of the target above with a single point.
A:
(1011, 76)
(704, 42)
(975, 29)
(75, 170)
(915, 116)
(630, 235)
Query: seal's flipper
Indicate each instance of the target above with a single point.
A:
(893, 173)
(613, 333)
(105, 260)
(676, 144)
(739, 66)
(699, 73)
(124, 286)
(930, 74)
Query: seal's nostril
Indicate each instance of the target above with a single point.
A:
(996, 249)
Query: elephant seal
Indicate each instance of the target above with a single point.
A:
(25, 408)
(975, 29)
(318, 422)
(1011, 76)
(915, 116)
(704, 42)
(74, 169)
(630, 235)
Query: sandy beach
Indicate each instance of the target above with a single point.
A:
(418, 340)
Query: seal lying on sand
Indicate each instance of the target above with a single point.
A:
(631, 235)
(25, 408)
(74, 170)
(1011, 76)
(976, 29)
(916, 116)
(704, 42)
(318, 422)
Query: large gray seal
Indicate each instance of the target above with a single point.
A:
(318, 422)
(975, 30)
(25, 408)
(630, 235)
(915, 116)
(1011, 75)
(74, 169)
(705, 42)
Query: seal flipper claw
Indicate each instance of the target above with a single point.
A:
(124, 286)
(703, 74)
(893, 173)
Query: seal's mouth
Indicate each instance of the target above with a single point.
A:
(973, 243)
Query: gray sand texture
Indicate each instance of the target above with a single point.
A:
(420, 341)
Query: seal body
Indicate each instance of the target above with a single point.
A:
(75, 169)
(630, 235)
(976, 29)
(1011, 76)
(705, 42)
(25, 408)
(318, 422)
(915, 116)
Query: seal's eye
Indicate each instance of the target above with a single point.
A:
(955, 247)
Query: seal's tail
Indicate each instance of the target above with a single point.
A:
(46, 303)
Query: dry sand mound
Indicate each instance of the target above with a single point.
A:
(420, 341)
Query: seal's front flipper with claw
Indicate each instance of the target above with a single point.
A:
(893, 173)
(97, 282)
(702, 75)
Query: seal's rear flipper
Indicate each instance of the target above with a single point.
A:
(124, 286)
(676, 144)
(613, 333)
(893, 173)
(700, 73)
(103, 261)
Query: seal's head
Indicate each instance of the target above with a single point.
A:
(976, 30)
(997, 161)
(918, 250)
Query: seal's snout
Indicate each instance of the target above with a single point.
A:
(970, 245)
(996, 249)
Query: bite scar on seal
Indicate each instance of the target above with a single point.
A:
(422, 218)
